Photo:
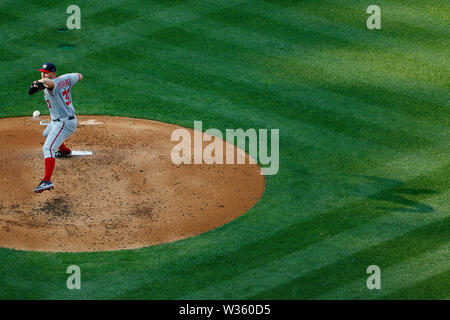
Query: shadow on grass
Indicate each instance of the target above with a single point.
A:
(398, 194)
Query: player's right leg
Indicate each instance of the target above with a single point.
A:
(63, 151)
(55, 137)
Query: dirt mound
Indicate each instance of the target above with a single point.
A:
(129, 194)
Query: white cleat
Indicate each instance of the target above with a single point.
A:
(44, 185)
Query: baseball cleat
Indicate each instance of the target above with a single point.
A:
(44, 185)
(59, 154)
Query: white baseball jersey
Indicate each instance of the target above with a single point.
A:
(59, 99)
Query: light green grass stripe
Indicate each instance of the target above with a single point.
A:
(407, 14)
(288, 268)
(398, 276)
(307, 94)
(301, 133)
(291, 17)
(343, 31)
(133, 32)
(302, 56)
(309, 135)
(398, 47)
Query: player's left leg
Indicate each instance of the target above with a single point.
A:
(59, 132)
(63, 151)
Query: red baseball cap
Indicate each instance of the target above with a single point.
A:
(48, 67)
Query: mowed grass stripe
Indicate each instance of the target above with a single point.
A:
(431, 39)
(112, 30)
(226, 245)
(385, 255)
(96, 31)
(95, 39)
(432, 288)
(256, 280)
(425, 36)
(252, 41)
(411, 13)
(167, 54)
(264, 69)
(200, 97)
(210, 106)
(249, 34)
(190, 275)
(142, 19)
(32, 24)
(305, 26)
(286, 241)
(342, 23)
(310, 104)
(397, 277)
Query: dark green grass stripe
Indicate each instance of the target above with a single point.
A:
(7, 18)
(300, 235)
(34, 27)
(400, 19)
(309, 29)
(319, 255)
(143, 16)
(308, 104)
(399, 276)
(270, 67)
(251, 97)
(260, 20)
(357, 69)
(349, 24)
(93, 40)
(436, 287)
(307, 58)
(301, 132)
(117, 53)
(386, 254)
(95, 18)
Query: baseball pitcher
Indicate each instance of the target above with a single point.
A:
(58, 97)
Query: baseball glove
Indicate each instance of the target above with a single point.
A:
(35, 87)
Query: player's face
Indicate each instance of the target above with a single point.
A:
(49, 75)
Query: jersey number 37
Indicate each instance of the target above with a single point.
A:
(66, 93)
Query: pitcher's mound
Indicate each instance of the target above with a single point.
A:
(129, 194)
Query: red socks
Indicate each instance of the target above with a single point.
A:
(49, 166)
(64, 149)
(50, 163)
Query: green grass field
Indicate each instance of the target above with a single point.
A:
(364, 140)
